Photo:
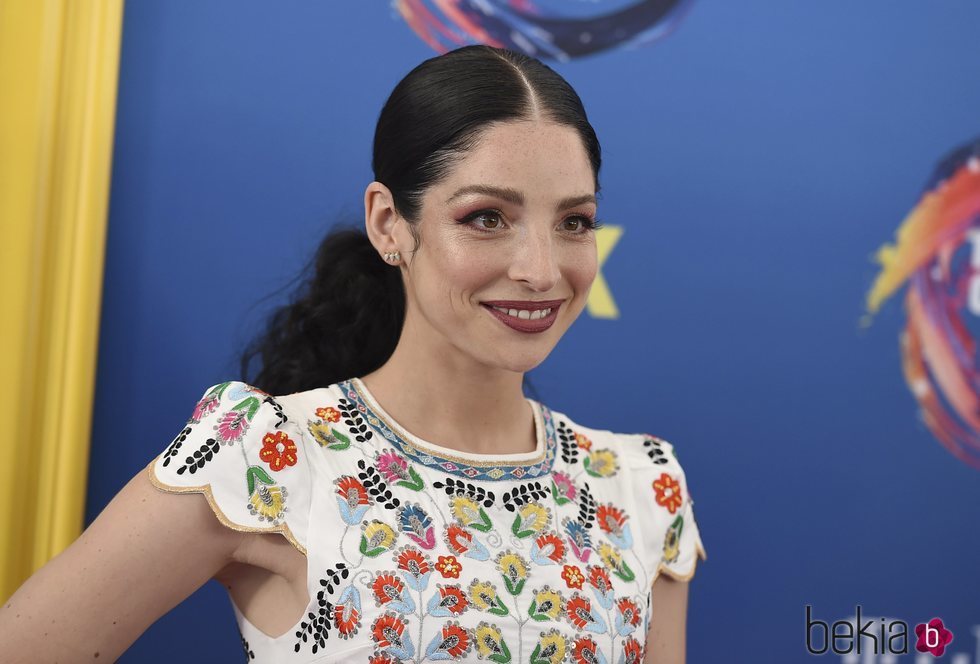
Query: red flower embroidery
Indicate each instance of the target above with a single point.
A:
(458, 539)
(668, 492)
(278, 450)
(584, 651)
(347, 618)
(412, 561)
(611, 519)
(387, 587)
(579, 611)
(573, 576)
(380, 659)
(632, 652)
(352, 491)
(599, 579)
(330, 414)
(629, 611)
(583, 441)
(452, 599)
(455, 640)
(552, 540)
(449, 567)
(387, 630)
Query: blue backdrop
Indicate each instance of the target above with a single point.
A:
(755, 158)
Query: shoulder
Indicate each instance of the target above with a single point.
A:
(244, 450)
(606, 452)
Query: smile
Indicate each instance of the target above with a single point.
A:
(525, 316)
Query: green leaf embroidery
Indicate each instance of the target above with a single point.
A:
(624, 572)
(503, 656)
(514, 588)
(498, 608)
(256, 473)
(559, 499)
(484, 525)
(250, 405)
(373, 553)
(416, 483)
(517, 529)
(344, 441)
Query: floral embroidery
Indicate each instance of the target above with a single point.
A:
(328, 437)
(585, 651)
(352, 498)
(547, 604)
(449, 567)
(417, 525)
(483, 595)
(548, 549)
(531, 519)
(347, 613)
(562, 488)
(672, 540)
(396, 470)
(461, 542)
(567, 581)
(452, 642)
(268, 503)
(490, 643)
(514, 570)
(416, 567)
(573, 576)
(448, 601)
(551, 648)
(278, 450)
(330, 414)
(632, 652)
(668, 492)
(601, 463)
(376, 538)
(388, 631)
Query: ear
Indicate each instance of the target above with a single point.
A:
(380, 217)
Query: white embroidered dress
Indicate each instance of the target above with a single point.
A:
(420, 553)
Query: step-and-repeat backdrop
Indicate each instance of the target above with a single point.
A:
(790, 281)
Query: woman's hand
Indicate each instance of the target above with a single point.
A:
(667, 639)
(145, 553)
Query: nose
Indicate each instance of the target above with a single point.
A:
(535, 260)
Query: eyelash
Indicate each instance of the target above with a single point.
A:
(588, 223)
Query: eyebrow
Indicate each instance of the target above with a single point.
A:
(516, 197)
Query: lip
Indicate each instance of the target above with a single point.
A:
(529, 326)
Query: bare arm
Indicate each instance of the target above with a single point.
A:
(667, 640)
(145, 553)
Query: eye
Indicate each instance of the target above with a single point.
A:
(583, 224)
(492, 220)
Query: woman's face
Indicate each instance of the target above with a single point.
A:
(510, 222)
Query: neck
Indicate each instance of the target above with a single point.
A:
(474, 409)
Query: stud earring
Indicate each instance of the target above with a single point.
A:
(392, 257)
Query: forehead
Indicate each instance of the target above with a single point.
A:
(539, 158)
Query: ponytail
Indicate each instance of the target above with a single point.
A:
(344, 322)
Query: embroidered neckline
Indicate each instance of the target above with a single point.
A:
(487, 467)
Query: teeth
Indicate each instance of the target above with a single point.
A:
(524, 314)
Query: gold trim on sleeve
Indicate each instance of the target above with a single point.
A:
(282, 529)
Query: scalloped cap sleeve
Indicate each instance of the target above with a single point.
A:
(241, 451)
(670, 531)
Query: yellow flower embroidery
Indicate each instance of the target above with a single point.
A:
(551, 647)
(268, 502)
(549, 602)
(379, 535)
(534, 518)
(602, 463)
(482, 595)
(465, 509)
(489, 641)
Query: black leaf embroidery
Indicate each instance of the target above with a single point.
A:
(200, 457)
(376, 486)
(460, 488)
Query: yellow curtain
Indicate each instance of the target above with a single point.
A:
(59, 61)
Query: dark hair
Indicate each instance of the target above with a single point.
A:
(346, 319)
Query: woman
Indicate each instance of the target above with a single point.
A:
(404, 501)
